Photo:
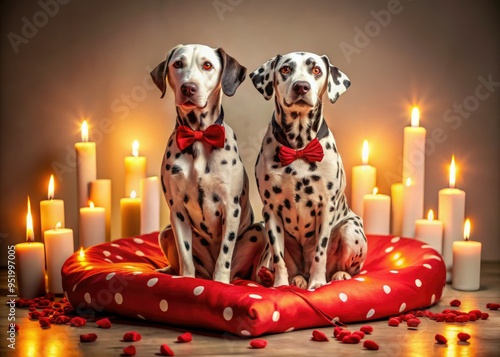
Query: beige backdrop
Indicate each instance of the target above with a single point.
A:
(62, 61)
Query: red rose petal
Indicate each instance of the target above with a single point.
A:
(366, 329)
(493, 306)
(361, 334)
(258, 343)
(343, 334)
(319, 336)
(165, 350)
(351, 339)
(62, 319)
(104, 323)
(462, 336)
(88, 337)
(370, 345)
(484, 316)
(393, 322)
(129, 351)
(336, 331)
(472, 317)
(44, 322)
(455, 302)
(78, 321)
(462, 318)
(185, 337)
(132, 336)
(478, 313)
(440, 339)
(413, 322)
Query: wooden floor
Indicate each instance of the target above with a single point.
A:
(64, 341)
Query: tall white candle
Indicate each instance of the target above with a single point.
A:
(135, 170)
(100, 195)
(30, 263)
(130, 212)
(51, 210)
(86, 166)
(363, 181)
(59, 246)
(150, 204)
(430, 231)
(410, 211)
(466, 263)
(377, 213)
(396, 208)
(92, 225)
(414, 159)
(451, 211)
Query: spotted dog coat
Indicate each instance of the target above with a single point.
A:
(206, 187)
(313, 234)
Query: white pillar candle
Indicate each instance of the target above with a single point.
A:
(363, 181)
(466, 263)
(414, 159)
(451, 211)
(92, 225)
(150, 204)
(130, 212)
(59, 247)
(51, 210)
(86, 166)
(100, 195)
(377, 213)
(430, 231)
(410, 211)
(135, 170)
(396, 208)
(30, 263)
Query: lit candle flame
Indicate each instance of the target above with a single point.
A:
(375, 190)
(452, 172)
(82, 254)
(408, 182)
(85, 132)
(133, 194)
(415, 117)
(430, 216)
(365, 153)
(91, 204)
(50, 194)
(30, 236)
(135, 148)
(467, 229)
(58, 225)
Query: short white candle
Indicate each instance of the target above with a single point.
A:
(100, 195)
(363, 181)
(92, 225)
(466, 263)
(430, 231)
(150, 204)
(396, 208)
(377, 213)
(59, 246)
(30, 263)
(86, 166)
(451, 211)
(51, 210)
(130, 212)
(135, 170)
(410, 211)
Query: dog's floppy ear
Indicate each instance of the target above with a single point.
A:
(233, 74)
(263, 77)
(159, 74)
(337, 81)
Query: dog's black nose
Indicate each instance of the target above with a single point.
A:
(188, 89)
(301, 87)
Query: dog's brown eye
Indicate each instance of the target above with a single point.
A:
(285, 70)
(316, 70)
(177, 64)
(207, 66)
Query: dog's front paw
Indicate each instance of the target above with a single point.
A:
(221, 277)
(280, 280)
(341, 275)
(299, 281)
(316, 283)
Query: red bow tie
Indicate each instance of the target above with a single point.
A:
(312, 152)
(213, 135)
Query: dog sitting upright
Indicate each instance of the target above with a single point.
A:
(314, 235)
(203, 178)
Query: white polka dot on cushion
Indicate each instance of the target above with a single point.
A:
(118, 298)
(115, 245)
(198, 290)
(418, 283)
(290, 329)
(428, 266)
(363, 272)
(253, 285)
(227, 313)
(74, 287)
(389, 249)
(137, 273)
(395, 239)
(433, 298)
(152, 282)
(139, 253)
(425, 246)
(276, 316)
(106, 253)
(119, 257)
(139, 240)
(359, 279)
(255, 296)
(87, 298)
(164, 305)
(343, 297)
(393, 271)
(370, 313)
(141, 317)
(402, 307)
(110, 275)
(245, 333)
(66, 295)
(108, 260)
(432, 256)
(387, 289)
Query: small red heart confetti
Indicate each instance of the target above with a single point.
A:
(462, 336)
(393, 322)
(484, 316)
(455, 303)
(408, 317)
(185, 337)
(165, 350)
(132, 336)
(319, 336)
(78, 321)
(351, 339)
(361, 334)
(343, 334)
(366, 329)
(462, 318)
(440, 339)
(104, 323)
(472, 317)
(258, 343)
(413, 322)
(88, 337)
(35, 315)
(44, 322)
(370, 345)
(450, 318)
(62, 319)
(336, 331)
(129, 351)
(493, 306)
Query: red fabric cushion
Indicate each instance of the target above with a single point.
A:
(399, 275)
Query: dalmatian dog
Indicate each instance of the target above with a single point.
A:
(314, 236)
(202, 175)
